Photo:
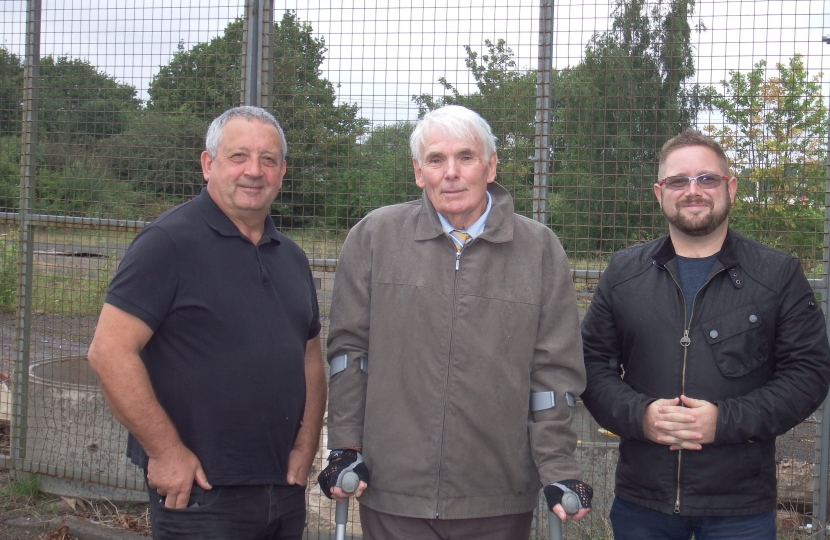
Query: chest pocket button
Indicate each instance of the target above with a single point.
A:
(753, 319)
(713, 334)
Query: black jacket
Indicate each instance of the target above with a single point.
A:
(757, 348)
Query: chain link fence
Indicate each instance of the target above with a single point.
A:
(104, 107)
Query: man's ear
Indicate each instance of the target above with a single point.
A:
(207, 161)
(419, 174)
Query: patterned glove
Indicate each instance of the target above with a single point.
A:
(341, 462)
(555, 491)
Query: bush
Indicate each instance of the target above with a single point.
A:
(8, 277)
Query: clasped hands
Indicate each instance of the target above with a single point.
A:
(681, 423)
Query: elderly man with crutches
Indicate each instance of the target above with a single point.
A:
(455, 353)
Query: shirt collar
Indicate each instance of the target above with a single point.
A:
(477, 227)
(221, 223)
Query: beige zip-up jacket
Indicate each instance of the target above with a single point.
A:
(443, 414)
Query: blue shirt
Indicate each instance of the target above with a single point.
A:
(477, 227)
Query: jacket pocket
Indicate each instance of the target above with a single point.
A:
(738, 341)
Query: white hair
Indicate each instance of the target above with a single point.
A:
(454, 121)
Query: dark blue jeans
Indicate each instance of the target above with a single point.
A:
(635, 522)
(232, 513)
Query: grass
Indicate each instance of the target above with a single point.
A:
(27, 487)
(63, 285)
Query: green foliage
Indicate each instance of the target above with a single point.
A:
(612, 113)
(82, 188)
(775, 135)
(8, 277)
(380, 174)
(27, 487)
(9, 174)
(158, 153)
(11, 93)
(203, 81)
(322, 135)
(79, 103)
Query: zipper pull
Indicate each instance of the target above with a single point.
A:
(457, 259)
(677, 506)
(685, 341)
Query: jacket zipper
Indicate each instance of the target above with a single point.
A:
(449, 368)
(685, 342)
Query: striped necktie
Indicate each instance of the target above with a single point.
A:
(460, 239)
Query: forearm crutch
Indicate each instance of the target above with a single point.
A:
(348, 485)
(570, 503)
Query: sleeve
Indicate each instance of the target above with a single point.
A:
(611, 401)
(557, 366)
(147, 278)
(349, 335)
(315, 326)
(802, 370)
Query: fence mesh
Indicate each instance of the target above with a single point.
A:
(126, 93)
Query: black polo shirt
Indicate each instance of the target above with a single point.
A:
(231, 321)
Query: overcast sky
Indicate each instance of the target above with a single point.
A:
(383, 51)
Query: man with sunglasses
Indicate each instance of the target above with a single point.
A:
(700, 348)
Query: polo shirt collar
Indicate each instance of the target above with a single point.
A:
(221, 223)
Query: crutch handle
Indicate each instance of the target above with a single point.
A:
(349, 484)
(570, 503)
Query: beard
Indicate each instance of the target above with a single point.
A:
(700, 225)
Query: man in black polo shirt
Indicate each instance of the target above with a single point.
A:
(208, 349)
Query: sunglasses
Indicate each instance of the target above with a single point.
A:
(681, 182)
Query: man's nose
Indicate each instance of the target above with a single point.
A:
(693, 188)
(253, 168)
(452, 169)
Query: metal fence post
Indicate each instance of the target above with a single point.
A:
(820, 468)
(541, 161)
(257, 62)
(20, 381)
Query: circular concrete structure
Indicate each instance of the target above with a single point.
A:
(73, 441)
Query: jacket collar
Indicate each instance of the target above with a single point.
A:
(499, 226)
(727, 256)
(221, 223)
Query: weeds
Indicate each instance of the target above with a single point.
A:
(26, 488)
(8, 276)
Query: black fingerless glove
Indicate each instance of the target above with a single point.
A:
(555, 491)
(341, 462)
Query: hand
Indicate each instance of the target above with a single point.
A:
(680, 423)
(172, 474)
(340, 462)
(556, 491)
(564, 516)
(299, 463)
(706, 420)
(339, 495)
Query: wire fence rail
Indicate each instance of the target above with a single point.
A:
(104, 107)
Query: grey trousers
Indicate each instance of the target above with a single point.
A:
(381, 526)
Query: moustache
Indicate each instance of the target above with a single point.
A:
(695, 200)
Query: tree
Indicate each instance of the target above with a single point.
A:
(206, 80)
(79, 104)
(612, 113)
(774, 133)
(158, 153)
(380, 173)
(11, 93)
